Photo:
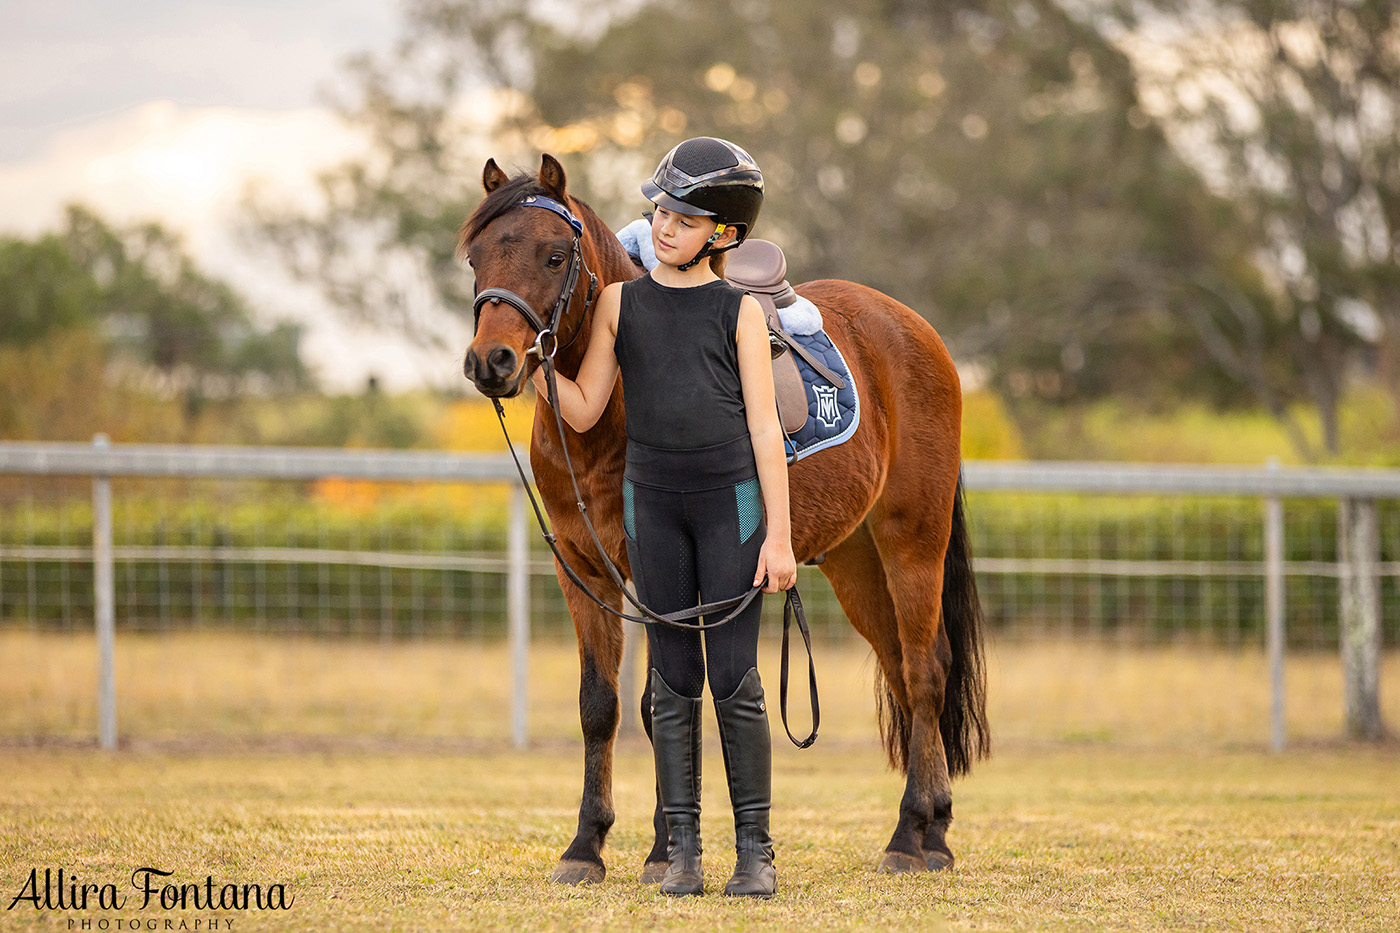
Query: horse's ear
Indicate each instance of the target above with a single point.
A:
(492, 177)
(552, 176)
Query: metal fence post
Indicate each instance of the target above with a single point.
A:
(1274, 609)
(104, 603)
(518, 617)
(1358, 544)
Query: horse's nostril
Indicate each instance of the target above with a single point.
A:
(469, 364)
(501, 361)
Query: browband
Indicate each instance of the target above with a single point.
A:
(549, 204)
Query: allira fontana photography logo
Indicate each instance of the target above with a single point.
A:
(148, 889)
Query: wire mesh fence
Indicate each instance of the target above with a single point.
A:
(322, 605)
(1164, 570)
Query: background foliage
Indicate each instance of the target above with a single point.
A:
(1078, 220)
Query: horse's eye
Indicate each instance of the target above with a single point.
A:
(556, 260)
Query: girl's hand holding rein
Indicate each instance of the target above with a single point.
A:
(776, 561)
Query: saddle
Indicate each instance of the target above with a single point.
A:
(760, 268)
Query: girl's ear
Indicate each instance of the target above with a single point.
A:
(727, 236)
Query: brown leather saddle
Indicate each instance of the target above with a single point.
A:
(760, 268)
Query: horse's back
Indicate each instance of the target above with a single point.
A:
(897, 351)
(869, 318)
(910, 412)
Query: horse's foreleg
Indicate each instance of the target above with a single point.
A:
(600, 658)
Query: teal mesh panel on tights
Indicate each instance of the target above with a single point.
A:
(750, 508)
(629, 511)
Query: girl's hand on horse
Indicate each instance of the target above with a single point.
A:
(583, 398)
(777, 563)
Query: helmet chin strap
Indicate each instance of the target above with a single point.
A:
(706, 250)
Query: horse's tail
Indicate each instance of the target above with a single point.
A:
(963, 724)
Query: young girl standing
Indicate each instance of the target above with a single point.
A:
(705, 464)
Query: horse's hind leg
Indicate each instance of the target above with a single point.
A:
(912, 534)
(600, 659)
(858, 579)
(857, 574)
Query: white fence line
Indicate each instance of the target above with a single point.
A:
(1270, 481)
(77, 554)
(1358, 566)
(286, 463)
(308, 463)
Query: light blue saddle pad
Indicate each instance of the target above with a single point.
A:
(832, 414)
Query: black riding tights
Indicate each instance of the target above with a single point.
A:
(697, 547)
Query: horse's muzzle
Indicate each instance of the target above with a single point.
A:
(496, 374)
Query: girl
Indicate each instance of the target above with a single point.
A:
(703, 442)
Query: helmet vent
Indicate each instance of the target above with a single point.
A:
(702, 156)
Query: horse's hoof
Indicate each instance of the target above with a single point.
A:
(653, 872)
(938, 860)
(573, 872)
(901, 863)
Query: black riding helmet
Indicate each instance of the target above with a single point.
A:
(712, 178)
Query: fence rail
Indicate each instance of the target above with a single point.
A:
(286, 463)
(305, 463)
(1357, 567)
(1272, 481)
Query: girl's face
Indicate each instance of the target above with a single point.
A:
(678, 237)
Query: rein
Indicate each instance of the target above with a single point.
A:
(548, 332)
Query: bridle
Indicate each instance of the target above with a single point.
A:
(548, 331)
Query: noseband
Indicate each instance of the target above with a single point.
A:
(546, 332)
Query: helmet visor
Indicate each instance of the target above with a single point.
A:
(661, 199)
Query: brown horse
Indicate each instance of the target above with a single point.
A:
(885, 508)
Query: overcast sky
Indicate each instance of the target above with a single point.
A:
(165, 110)
(68, 62)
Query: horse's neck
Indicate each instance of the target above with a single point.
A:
(610, 263)
(614, 265)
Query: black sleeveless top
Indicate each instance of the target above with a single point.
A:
(676, 350)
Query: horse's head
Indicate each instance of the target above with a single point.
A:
(529, 254)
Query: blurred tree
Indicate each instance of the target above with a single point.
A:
(43, 288)
(160, 318)
(988, 162)
(1291, 108)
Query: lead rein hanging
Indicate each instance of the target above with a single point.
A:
(792, 607)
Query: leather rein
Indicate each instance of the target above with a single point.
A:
(545, 346)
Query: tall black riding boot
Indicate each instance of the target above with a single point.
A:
(748, 760)
(675, 738)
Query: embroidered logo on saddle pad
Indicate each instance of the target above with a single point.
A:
(833, 413)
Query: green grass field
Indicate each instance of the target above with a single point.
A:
(1129, 791)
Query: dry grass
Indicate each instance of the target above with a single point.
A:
(197, 687)
(1067, 839)
(1129, 792)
